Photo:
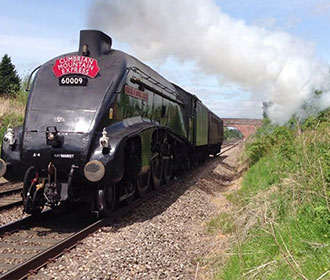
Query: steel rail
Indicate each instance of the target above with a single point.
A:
(12, 191)
(11, 205)
(6, 202)
(4, 184)
(24, 222)
(231, 147)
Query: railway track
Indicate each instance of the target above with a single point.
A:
(28, 244)
(10, 198)
(230, 146)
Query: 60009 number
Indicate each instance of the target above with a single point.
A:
(72, 81)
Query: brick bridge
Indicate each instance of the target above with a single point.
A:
(246, 126)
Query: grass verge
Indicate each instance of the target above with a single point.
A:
(282, 211)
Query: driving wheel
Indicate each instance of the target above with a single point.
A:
(106, 200)
(30, 194)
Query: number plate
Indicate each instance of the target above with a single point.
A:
(72, 80)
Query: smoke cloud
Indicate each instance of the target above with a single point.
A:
(273, 65)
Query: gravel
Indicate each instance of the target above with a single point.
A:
(164, 238)
(6, 186)
(11, 215)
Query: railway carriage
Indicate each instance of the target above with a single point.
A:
(102, 126)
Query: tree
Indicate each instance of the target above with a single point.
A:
(232, 133)
(265, 109)
(9, 80)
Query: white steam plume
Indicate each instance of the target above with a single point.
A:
(275, 66)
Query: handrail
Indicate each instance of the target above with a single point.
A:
(30, 77)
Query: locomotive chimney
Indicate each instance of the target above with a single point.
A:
(94, 43)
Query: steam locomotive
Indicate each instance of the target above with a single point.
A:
(101, 126)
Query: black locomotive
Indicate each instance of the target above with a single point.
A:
(102, 126)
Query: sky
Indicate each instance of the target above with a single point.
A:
(232, 54)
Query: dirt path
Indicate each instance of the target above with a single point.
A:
(221, 181)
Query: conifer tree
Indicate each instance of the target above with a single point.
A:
(9, 80)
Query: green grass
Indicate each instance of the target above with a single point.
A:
(22, 97)
(268, 255)
(283, 212)
(259, 177)
(12, 112)
(224, 222)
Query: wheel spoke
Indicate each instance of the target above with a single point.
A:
(167, 170)
(143, 184)
(130, 188)
(157, 171)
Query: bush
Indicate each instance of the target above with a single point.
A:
(267, 138)
(12, 119)
(11, 112)
(229, 134)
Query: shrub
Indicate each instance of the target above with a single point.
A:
(12, 119)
